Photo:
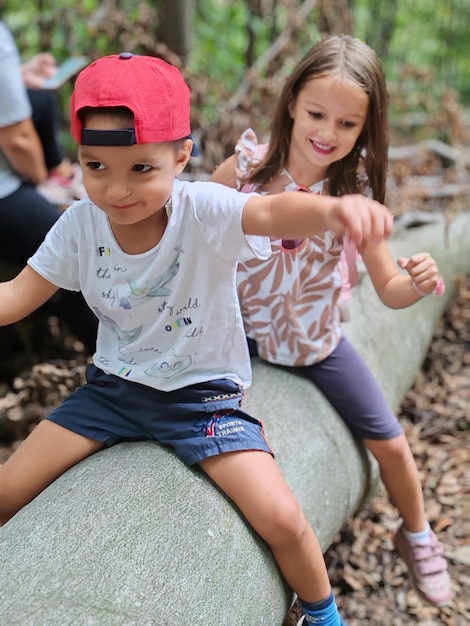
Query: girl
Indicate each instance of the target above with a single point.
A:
(329, 136)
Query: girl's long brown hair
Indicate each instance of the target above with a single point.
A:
(351, 58)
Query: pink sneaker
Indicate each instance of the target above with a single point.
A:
(427, 567)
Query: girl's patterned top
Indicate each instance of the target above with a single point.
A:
(290, 302)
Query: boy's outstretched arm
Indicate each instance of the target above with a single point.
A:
(23, 294)
(291, 215)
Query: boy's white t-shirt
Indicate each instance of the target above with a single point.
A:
(169, 317)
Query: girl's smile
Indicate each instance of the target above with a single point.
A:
(322, 148)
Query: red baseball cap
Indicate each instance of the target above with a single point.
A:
(153, 90)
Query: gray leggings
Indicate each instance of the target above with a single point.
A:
(346, 381)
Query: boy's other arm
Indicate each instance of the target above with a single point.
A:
(291, 215)
(225, 172)
(23, 294)
(22, 147)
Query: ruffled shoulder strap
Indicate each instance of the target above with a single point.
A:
(249, 153)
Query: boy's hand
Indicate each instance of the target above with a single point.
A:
(363, 219)
(423, 271)
(23, 294)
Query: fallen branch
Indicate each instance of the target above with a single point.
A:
(421, 187)
(457, 155)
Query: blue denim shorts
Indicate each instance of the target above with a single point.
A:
(197, 422)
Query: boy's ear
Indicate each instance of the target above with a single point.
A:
(182, 157)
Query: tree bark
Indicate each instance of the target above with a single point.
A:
(175, 26)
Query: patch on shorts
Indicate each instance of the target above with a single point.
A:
(222, 424)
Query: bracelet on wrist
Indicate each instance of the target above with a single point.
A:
(438, 291)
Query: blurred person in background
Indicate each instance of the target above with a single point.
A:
(34, 172)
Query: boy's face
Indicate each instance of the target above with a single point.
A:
(130, 183)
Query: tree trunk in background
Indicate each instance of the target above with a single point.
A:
(382, 17)
(335, 17)
(44, 27)
(175, 26)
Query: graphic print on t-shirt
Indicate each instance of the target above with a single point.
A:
(138, 294)
(132, 294)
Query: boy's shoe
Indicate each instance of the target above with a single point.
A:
(63, 191)
(427, 567)
(303, 621)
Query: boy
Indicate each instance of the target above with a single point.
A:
(156, 259)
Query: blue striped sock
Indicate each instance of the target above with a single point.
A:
(323, 612)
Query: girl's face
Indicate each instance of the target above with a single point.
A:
(131, 184)
(328, 117)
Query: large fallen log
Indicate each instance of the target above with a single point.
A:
(131, 536)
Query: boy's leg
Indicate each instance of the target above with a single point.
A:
(49, 451)
(252, 480)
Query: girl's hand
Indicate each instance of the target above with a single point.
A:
(423, 271)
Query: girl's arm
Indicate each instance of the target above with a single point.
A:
(23, 294)
(396, 289)
(292, 215)
(225, 172)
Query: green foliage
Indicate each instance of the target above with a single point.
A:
(432, 35)
(221, 41)
(222, 34)
(424, 46)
